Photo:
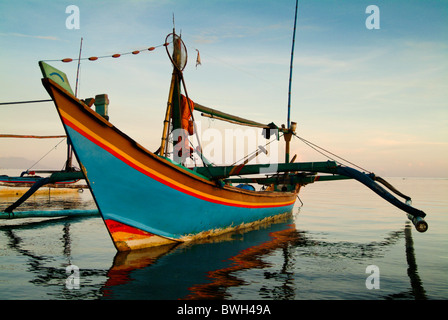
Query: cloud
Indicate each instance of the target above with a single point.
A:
(14, 34)
(234, 31)
(415, 143)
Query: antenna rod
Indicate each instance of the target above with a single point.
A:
(174, 25)
(290, 69)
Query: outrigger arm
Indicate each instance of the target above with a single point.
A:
(415, 215)
(55, 177)
(305, 172)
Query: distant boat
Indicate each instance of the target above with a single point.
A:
(30, 181)
(29, 178)
(148, 199)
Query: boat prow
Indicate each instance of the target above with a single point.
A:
(146, 199)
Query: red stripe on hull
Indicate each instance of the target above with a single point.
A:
(115, 226)
(167, 183)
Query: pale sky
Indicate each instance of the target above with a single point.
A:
(376, 97)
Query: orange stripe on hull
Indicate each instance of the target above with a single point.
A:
(130, 238)
(77, 126)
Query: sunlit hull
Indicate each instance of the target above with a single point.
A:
(146, 200)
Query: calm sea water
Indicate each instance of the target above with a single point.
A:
(321, 253)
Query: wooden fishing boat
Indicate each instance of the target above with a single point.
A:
(148, 199)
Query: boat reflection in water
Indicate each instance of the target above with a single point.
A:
(199, 270)
(273, 261)
(210, 270)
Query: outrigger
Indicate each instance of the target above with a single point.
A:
(34, 180)
(150, 199)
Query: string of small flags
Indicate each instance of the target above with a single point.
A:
(116, 55)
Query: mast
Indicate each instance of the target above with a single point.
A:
(173, 111)
(290, 126)
(176, 78)
(77, 72)
(68, 164)
(166, 122)
(291, 66)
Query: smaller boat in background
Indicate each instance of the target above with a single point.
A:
(29, 178)
(30, 181)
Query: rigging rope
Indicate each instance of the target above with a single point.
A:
(46, 154)
(194, 122)
(316, 147)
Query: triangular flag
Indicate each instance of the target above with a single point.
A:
(198, 59)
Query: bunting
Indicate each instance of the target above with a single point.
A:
(115, 55)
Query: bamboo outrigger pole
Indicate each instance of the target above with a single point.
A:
(219, 115)
(30, 136)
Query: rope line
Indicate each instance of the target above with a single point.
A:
(316, 147)
(46, 154)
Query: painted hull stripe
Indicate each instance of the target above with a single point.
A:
(84, 131)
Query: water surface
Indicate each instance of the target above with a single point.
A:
(321, 253)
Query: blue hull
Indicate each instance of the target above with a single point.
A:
(128, 196)
(147, 200)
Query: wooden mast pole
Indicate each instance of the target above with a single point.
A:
(173, 96)
(68, 164)
(166, 122)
